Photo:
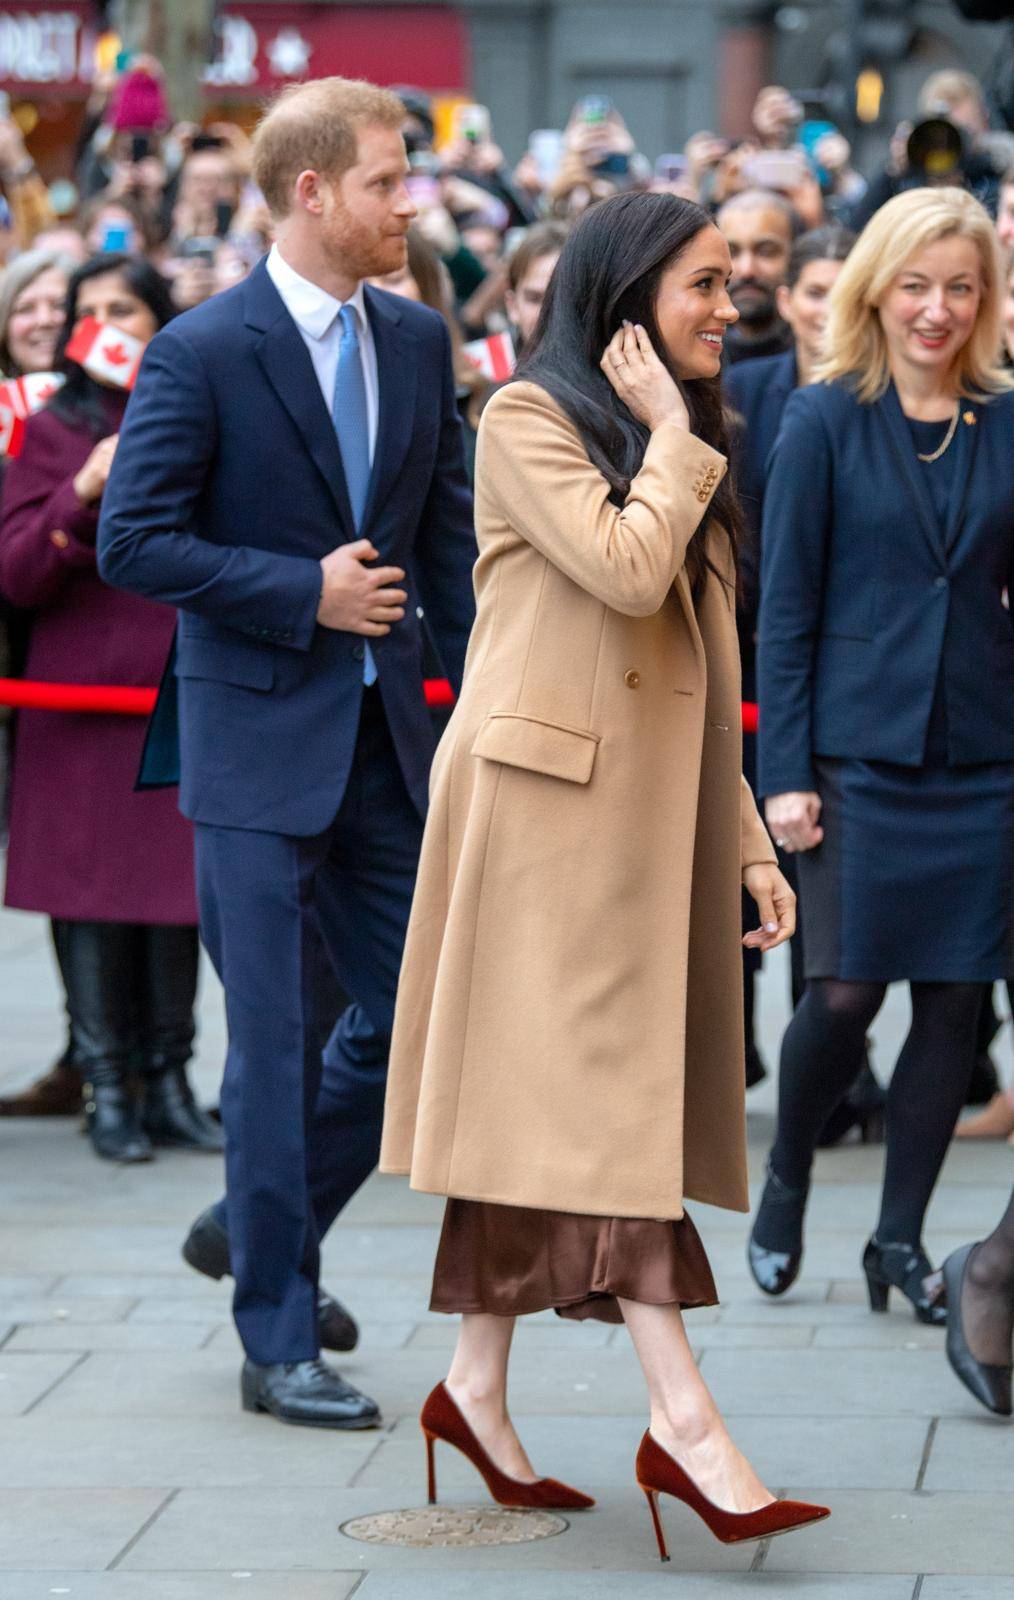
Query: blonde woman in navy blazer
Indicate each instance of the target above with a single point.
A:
(886, 674)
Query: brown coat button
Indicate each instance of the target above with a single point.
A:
(632, 679)
(59, 538)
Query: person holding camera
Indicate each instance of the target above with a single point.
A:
(113, 868)
(886, 675)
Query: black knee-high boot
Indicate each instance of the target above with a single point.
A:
(99, 965)
(170, 1114)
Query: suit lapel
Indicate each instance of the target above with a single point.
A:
(288, 368)
(900, 440)
(397, 373)
(964, 444)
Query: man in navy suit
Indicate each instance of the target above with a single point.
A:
(290, 476)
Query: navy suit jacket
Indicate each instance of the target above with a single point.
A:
(227, 489)
(757, 391)
(866, 594)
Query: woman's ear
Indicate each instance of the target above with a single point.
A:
(783, 300)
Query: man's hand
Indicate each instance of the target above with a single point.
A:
(792, 819)
(356, 598)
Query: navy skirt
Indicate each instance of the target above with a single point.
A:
(914, 879)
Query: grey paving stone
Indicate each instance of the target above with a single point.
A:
(127, 1248)
(855, 1383)
(390, 1200)
(234, 1451)
(878, 1333)
(348, 1253)
(243, 1585)
(23, 1285)
(168, 1308)
(57, 1308)
(73, 1335)
(181, 1285)
(25, 1378)
(632, 1586)
(966, 1588)
(286, 1530)
(886, 1531)
(861, 1452)
(122, 1384)
(45, 1530)
(975, 1453)
(373, 1337)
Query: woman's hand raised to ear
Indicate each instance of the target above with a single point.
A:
(646, 387)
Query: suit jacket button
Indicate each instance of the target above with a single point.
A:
(359, 652)
(632, 679)
(940, 583)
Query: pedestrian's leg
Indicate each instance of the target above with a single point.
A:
(987, 1294)
(363, 898)
(684, 1418)
(477, 1383)
(255, 893)
(170, 1114)
(102, 968)
(924, 1101)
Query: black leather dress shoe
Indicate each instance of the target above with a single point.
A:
(309, 1393)
(206, 1249)
(782, 1210)
(991, 1385)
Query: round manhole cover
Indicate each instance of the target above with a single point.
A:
(454, 1526)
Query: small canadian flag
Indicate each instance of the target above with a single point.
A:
(19, 398)
(494, 357)
(106, 352)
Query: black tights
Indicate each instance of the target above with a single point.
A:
(822, 1044)
(987, 1294)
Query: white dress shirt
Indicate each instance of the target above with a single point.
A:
(315, 313)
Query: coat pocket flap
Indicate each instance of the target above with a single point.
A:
(251, 666)
(538, 746)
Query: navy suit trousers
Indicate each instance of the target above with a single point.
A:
(303, 1129)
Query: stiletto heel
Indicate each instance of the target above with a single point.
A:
(651, 1496)
(877, 1291)
(657, 1473)
(441, 1419)
(431, 1470)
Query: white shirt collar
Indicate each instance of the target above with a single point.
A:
(311, 307)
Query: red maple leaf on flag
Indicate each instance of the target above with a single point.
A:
(115, 355)
(45, 393)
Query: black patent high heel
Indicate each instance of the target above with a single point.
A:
(905, 1267)
(775, 1271)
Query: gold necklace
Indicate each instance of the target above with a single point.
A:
(948, 436)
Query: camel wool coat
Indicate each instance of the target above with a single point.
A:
(569, 1032)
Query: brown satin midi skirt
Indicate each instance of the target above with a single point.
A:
(511, 1261)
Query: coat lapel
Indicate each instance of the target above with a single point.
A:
(900, 440)
(397, 371)
(288, 368)
(964, 444)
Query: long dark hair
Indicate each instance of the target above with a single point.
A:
(79, 401)
(609, 270)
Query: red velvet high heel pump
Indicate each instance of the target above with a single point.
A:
(658, 1473)
(441, 1419)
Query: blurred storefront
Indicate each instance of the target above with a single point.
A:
(672, 66)
(48, 58)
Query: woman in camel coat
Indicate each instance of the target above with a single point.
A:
(567, 1061)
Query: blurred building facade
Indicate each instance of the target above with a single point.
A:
(672, 66)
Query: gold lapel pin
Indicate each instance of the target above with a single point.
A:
(969, 417)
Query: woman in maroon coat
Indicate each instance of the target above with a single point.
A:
(112, 867)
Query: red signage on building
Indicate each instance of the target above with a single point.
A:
(47, 49)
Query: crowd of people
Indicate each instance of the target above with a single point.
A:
(864, 325)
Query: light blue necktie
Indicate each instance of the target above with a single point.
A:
(352, 425)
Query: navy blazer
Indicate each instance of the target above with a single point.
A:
(757, 391)
(865, 595)
(226, 491)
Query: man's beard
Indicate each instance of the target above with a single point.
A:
(760, 308)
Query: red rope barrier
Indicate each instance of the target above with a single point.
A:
(120, 700)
